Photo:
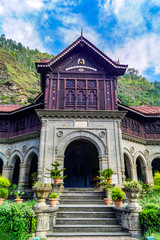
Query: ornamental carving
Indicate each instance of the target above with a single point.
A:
(92, 84)
(146, 153)
(24, 148)
(70, 83)
(102, 134)
(132, 150)
(8, 152)
(59, 134)
(81, 84)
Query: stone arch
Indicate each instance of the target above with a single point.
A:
(152, 157)
(141, 166)
(4, 158)
(128, 163)
(15, 161)
(30, 166)
(13, 157)
(77, 135)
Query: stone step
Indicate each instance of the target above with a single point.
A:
(83, 208)
(81, 190)
(86, 214)
(80, 196)
(52, 236)
(82, 201)
(87, 228)
(83, 194)
(86, 221)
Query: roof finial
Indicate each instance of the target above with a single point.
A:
(81, 32)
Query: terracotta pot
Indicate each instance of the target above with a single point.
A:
(53, 201)
(1, 200)
(110, 180)
(56, 180)
(107, 201)
(20, 200)
(118, 203)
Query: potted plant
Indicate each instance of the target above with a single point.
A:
(106, 174)
(107, 187)
(53, 198)
(18, 195)
(117, 196)
(56, 173)
(132, 190)
(41, 191)
(3, 194)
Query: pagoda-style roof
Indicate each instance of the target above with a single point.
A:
(82, 44)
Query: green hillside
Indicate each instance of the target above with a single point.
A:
(134, 90)
(19, 80)
(20, 83)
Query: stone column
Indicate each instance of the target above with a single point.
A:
(23, 176)
(8, 172)
(145, 173)
(60, 159)
(42, 150)
(119, 136)
(134, 166)
(150, 175)
(103, 162)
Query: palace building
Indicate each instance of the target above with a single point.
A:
(78, 121)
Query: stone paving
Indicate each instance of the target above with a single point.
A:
(93, 238)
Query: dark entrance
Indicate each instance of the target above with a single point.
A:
(1, 166)
(156, 165)
(15, 178)
(81, 163)
(32, 177)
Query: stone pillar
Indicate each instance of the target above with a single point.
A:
(8, 172)
(150, 175)
(46, 220)
(134, 166)
(42, 150)
(60, 159)
(145, 173)
(23, 176)
(103, 162)
(121, 151)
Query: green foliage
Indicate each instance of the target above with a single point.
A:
(55, 194)
(33, 178)
(15, 220)
(15, 191)
(106, 174)
(132, 184)
(117, 194)
(4, 182)
(134, 90)
(56, 172)
(150, 217)
(156, 178)
(39, 184)
(4, 193)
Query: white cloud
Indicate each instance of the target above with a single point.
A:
(23, 32)
(139, 53)
(48, 39)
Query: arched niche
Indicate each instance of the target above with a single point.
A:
(1, 166)
(141, 169)
(16, 170)
(81, 163)
(32, 168)
(128, 166)
(155, 165)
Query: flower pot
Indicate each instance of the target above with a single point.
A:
(53, 202)
(41, 194)
(20, 200)
(107, 201)
(1, 200)
(118, 203)
(56, 180)
(109, 180)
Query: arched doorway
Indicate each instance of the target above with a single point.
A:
(127, 166)
(81, 163)
(16, 170)
(155, 165)
(32, 176)
(1, 166)
(141, 174)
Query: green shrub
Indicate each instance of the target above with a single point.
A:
(132, 184)
(55, 194)
(106, 174)
(4, 193)
(156, 178)
(4, 182)
(117, 194)
(39, 184)
(150, 217)
(16, 219)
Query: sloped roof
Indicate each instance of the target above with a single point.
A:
(10, 107)
(81, 40)
(148, 110)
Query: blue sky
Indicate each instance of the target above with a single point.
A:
(124, 29)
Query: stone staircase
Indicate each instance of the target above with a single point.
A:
(82, 213)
